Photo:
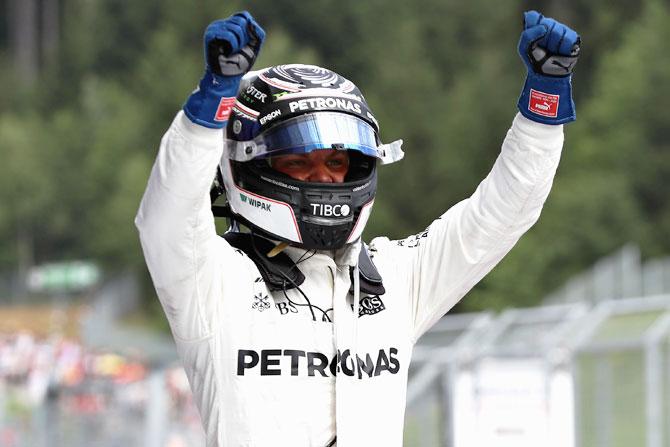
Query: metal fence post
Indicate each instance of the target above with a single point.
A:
(156, 415)
(603, 401)
(654, 389)
(447, 407)
(654, 380)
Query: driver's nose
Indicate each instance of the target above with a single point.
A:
(320, 174)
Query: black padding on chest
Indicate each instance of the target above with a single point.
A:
(370, 279)
(281, 273)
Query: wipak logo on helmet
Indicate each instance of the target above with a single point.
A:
(255, 202)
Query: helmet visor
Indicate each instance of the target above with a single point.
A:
(305, 133)
(324, 130)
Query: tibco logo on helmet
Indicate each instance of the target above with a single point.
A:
(303, 108)
(328, 210)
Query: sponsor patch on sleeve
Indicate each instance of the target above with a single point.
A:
(543, 104)
(223, 111)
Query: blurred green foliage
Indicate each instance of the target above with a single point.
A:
(78, 144)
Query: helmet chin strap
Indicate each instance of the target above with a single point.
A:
(234, 225)
(277, 249)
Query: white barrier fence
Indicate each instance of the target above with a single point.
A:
(566, 375)
(619, 275)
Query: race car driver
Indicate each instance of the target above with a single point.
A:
(294, 332)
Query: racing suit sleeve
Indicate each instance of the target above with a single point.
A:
(465, 243)
(185, 257)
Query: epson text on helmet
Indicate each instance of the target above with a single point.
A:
(324, 103)
(328, 210)
(270, 116)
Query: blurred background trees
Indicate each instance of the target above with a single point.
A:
(89, 88)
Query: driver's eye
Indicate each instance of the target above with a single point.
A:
(293, 163)
(339, 161)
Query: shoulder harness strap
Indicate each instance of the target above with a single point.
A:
(281, 273)
(370, 279)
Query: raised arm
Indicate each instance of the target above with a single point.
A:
(463, 245)
(185, 257)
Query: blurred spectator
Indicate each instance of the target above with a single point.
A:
(55, 387)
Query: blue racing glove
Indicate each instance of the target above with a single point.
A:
(550, 51)
(231, 48)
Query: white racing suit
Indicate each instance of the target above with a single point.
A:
(264, 366)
